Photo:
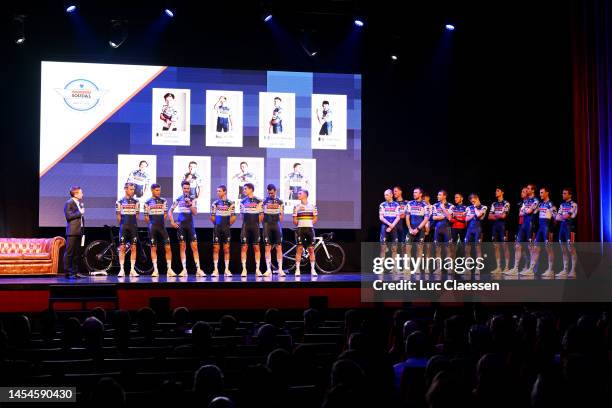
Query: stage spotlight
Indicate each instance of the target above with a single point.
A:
(267, 18)
(359, 22)
(118, 33)
(70, 8)
(394, 57)
(169, 12)
(449, 27)
(313, 53)
(19, 29)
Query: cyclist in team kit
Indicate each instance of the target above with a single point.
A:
(155, 214)
(566, 216)
(498, 213)
(252, 215)
(186, 207)
(222, 215)
(388, 213)
(127, 209)
(305, 215)
(273, 210)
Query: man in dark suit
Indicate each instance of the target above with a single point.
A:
(75, 223)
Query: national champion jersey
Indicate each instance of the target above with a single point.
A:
(222, 210)
(139, 178)
(128, 209)
(500, 208)
(223, 111)
(272, 208)
(471, 212)
(389, 210)
(156, 208)
(546, 212)
(251, 208)
(528, 203)
(183, 209)
(568, 207)
(170, 113)
(417, 211)
(305, 213)
(437, 211)
(459, 214)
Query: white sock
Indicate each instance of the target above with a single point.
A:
(227, 265)
(244, 265)
(268, 264)
(312, 266)
(257, 266)
(216, 264)
(280, 264)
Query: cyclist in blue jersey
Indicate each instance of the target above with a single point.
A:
(186, 207)
(224, 115)
(416, 218)
(252, 215)
(140, 179)
(155, 214)
(127, 210)
(398, 197)
(222, 215)
(276, 122)
(498, 214)
(528, 207)
(547, 213)
(566, 217)
(388, 213)
(442, 214)
(430, 225)
(474, 215)
(273, 210)
(324, 116)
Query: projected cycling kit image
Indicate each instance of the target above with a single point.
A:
(115, 124)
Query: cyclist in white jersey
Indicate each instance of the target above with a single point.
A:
(305, 215)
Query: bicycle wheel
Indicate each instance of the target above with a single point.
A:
(332, 260)
(99, 256)
(144, 265)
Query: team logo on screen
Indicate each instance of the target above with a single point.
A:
(81, 94)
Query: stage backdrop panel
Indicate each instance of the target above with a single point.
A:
(98, 121)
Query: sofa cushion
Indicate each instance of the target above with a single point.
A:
(41, 255)
(11, 257)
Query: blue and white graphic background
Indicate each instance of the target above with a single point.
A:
(81, 147)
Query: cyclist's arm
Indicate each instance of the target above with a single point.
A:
(233, 214)
(282, 211)
(170, 216)
(118, 212)
(194, 207)
(213, 212)
(315, 214)
(381, 217)
(146, 213)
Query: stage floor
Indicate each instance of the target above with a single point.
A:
(306, 279)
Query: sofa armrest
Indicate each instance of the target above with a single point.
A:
(57, 244)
